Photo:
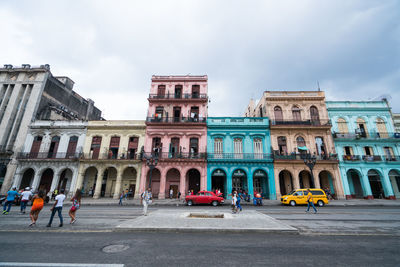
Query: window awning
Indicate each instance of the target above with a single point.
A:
(302, 148)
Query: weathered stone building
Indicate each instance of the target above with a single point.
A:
(28, 93)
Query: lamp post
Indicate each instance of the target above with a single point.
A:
(151, 163)
(310, 163)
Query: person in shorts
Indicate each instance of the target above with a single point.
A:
(76, 204)
(37, 206)
(26, 195)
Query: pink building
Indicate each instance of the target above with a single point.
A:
(176, 134)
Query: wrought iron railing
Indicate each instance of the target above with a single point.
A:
(366, 136)
(111, 156)
(300, 156)
(174, 155)
(178, 96)
(351, 158)
(175, 120)
(239, 156)
(302, 122)
(48, 155)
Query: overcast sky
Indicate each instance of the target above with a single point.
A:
(111, 48)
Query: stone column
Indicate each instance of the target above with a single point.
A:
(138, 181)
(17, 180)
(277, 185)
(250, 182)
(203, 180)
(97, 190)
(296, 180)
(117, 190)
(79, 181)
(36, 180)
(229, 184)
(161, 194)
(387, 186)
(316, 178)
(365, 185)
(54, 182)
(182, 184)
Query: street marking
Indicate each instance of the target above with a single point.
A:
(28, 264)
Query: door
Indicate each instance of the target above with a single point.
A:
(35, 147)
(177, 114)
(73, 141)
(95, 148)
(53, 147)
(178, 91)
(175, 190)
(132, 147)
(174, 149)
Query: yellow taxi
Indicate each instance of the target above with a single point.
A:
(299, 197)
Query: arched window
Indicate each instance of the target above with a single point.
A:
(342, 126)
(361, 128)
(282, 145)
(314, 115)
(258, 148)
(381, 127)
(296, 113)
(300, 141)
(238, 147)
(278, 113)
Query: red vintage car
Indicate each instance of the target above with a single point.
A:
(204, 197)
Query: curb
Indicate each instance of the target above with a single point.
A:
(206, 230)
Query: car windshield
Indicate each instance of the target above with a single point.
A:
(291, 193)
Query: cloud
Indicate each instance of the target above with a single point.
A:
(111, 48)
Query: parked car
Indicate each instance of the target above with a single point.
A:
(204, 197)
(299, 197)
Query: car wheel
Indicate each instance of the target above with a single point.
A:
(292, 203)
(320, 203)
(214, 203)
(190, 203)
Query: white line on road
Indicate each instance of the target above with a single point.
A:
(28, 264)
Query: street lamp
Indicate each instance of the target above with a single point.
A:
(310, 163)
(151, 163)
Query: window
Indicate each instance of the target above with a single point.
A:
(238, 147)
(300, 141)
(194, 113)
(362, 128)
(381, 127)
(178, 91)
(389, 153)
(314, 115)
(114, 146)
(156, 146)
(195, 91)
(132, 147)
(55, 140)
(218, 147)
(261, 111)
(348, 150)
(159, 113)
(278, 113)
(258, 148)
(282, 145)
(161, 91)
(320, 145)
(296, 113)
(95, 147)
(36, 146)
(342, 126)
(194, 146)
(368, 151)
(174, 146)
(73, 141)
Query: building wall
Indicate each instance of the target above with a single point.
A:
(357, 163)
(118, 172)
(228, 161)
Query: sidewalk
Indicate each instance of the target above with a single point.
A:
(175, 202)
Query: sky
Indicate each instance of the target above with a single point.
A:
(110, 49)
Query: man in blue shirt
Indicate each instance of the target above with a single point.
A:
(10, 198)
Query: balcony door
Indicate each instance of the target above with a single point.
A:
(282, 145)
(178, 91)
(195, 91)
(194, 147)
(95, 147)
(132, 147)
(238, 148)
(71, 150)
(114, 146)
(55, 140)
(296, 113)
(177, 114)
(36, 146)
(314, 115)
(161, 91)
(258, 148)
(278, 113)
(174, 147)
(194, 113)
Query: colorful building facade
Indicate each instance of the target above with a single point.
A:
(300, 129)
(110, 163)
(176, 134)
(239, 156)
(368, 148)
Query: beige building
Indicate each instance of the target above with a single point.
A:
(111, 163)
(300, 129)
(396, 122)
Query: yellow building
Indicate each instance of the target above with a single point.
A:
(110, 161)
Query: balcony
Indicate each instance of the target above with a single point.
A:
(392, 159)
(317, 123)
(107, 156)
(177, 155)
(351, 158)
(365, 158)
(178, 97)
(374, 158)
(363, 136)
(239, 156)
(237, 121)
(175, 120)
(49, 156)
(299, 156)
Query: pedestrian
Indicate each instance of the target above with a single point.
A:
(57, 207)
(76, 204)
(25, 197)
(310, 201)
(37, 206)
(121, 197)
(10, 198)
(146, 199)
(171, 193)
(234, 200)
(179, 195)
(238, 206)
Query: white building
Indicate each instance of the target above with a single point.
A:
(50, 157)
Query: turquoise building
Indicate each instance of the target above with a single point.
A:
(368, 148)
(239, 156)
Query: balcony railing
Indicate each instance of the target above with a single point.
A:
(394, 159)
(373, 136)
(351, 158)
(373, 158)
(178, 96)
(239, 156)
(47, 155)
(176, 120)
(108, 156)
(300, 156)
(174, 155)
(302, 122)
(365, 158)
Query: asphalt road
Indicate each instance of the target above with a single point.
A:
(329, 220)
(199, 249)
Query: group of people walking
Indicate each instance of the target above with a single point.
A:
(38, 201)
